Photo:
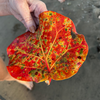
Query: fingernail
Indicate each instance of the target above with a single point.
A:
(32, 29)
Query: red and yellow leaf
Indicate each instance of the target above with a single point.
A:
(55, 51)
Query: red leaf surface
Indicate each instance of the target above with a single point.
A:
(55, 51)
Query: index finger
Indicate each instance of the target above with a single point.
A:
(38, 7)
(24, 11)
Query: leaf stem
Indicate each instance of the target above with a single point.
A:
(43, 51)
(47, 65)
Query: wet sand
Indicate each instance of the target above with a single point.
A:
(85, 85)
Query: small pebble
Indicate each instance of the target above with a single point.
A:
(68, 3)
(61, 1)
(98, 48)
(99, 17)
(98, 39)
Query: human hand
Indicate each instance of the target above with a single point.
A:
(27, 11)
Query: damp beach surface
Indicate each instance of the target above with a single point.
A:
(85, 85)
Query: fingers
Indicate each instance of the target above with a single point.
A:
(35, 18)
(24, 11)
(19, 17)
(38, 7)
(21, 10)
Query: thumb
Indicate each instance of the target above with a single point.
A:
(23, 9)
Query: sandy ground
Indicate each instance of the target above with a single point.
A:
(85, 85)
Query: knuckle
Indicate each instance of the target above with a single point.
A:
(27, 19)
(42, 3)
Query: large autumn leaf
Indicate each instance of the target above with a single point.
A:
(55, 51)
